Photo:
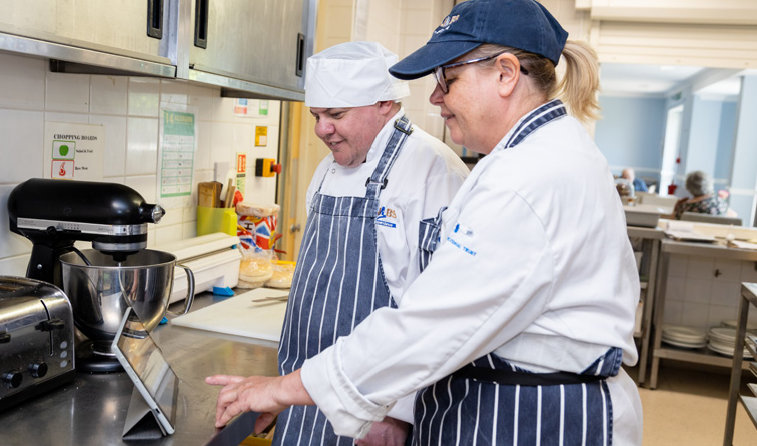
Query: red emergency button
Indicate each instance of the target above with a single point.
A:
(266, 167)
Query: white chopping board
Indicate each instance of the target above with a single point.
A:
(240, 316)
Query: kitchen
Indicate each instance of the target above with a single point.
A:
(128, 109)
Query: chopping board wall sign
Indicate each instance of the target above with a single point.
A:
(257, 314)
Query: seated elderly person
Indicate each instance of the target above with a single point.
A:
(704, 200)
(638, 184)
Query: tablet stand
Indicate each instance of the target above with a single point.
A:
(140, 423)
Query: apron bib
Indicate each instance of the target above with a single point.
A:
(338, 282)
(491, 401)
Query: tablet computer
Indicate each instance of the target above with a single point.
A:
(147, 367)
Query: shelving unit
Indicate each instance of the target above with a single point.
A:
(749, 298)
(650, 246)
(699, 356)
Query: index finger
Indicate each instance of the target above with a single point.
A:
(222, 380)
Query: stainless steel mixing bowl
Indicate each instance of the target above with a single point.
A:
(101, 291)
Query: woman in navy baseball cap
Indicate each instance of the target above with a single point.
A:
(517, 328)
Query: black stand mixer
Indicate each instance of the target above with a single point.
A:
(53, 214)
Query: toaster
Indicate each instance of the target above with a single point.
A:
(36, 339)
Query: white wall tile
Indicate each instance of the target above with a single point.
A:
(173, 92)
(114, 159)
(204, 146)
(173, 217)
(673, 312)
(146, 185)
(225, 111)
(720, 313)
(189, 213)
(725, 292)
(675, 288)
(202, 176)
(223, 136)
(66, 92)
(143, 96)
(695, 315)
(700, 267)
(208, 91)
(117, 179)
(698, 290)
(749, 272)
(151, 240)
(108, 95)
(141, 146)
(677, 265)
(167, 234)
(14, 266)
(728, 269)
(22, 145)
(78, 118)
(208, 108)
(22, 82)
(189, 229)
(11, 244)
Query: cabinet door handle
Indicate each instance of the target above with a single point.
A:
(155, 18)
(201, 23)
(299, 67)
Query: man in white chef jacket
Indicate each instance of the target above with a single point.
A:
(366, 201)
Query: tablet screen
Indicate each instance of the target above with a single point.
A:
(148, 362)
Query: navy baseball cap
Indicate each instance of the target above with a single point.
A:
(522, 24)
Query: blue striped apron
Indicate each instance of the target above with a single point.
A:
(491, 401)
(338, 282)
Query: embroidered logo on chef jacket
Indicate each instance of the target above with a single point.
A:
(461, 238)
(387, 217)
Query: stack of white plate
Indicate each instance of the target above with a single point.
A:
(733, 323)
(722, 340)
(685, 337)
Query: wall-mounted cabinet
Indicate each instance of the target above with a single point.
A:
(261, 42)
(250, 48)
(124, 35)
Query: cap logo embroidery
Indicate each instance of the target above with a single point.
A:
(449, 20)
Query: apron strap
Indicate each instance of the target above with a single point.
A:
(379, 178)
(515, 377)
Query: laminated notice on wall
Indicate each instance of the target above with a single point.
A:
(177, 149)
(73, 151)
(250, 108)
(261, 136)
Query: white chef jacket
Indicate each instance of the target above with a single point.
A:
(534, 263)
(424, 178)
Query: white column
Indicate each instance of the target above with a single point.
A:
(744, 173)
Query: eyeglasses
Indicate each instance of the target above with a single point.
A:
(441, 77)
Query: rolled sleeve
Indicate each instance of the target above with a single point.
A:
(348, 411)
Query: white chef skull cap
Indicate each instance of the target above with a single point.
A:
(352, 74)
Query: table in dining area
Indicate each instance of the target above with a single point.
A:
(669, 247)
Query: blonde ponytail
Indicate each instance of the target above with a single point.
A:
(579, 85)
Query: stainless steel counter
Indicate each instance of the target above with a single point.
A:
(92, 410)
